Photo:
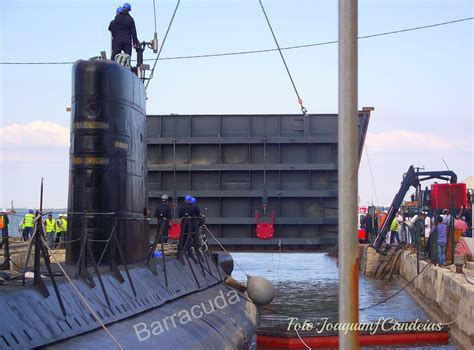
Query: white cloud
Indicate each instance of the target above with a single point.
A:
(406, 140)
(36, 133)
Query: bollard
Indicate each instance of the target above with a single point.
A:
(459, 262)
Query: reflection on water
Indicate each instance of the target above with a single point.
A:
(307, 289)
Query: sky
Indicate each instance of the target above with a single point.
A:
(420, 82)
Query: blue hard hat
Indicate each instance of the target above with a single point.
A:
(188, 198)
(31, 211)
(119, 9)
(193, 200)
(127, 6)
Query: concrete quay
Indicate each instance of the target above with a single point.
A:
(446, 296)
(444, 293)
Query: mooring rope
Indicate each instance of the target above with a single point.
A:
(468, 305)
(225, 250)
(390, 297)
(301, 339)
(94, 314)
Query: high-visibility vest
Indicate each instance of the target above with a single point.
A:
(29, 220)
(61, 225)
(50, 225)
(394, 225)
(2, 222)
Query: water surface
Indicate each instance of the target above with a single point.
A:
(307, 289)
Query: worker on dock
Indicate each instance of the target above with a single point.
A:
(426, 233)
(375, 225)
(431, 243)
(367, 225)
(371, 225)
(466, 214)
(124, 32)
(61, 229)
(382, 217)
(50, 230)
(409, 229)
(4, 225)
(394, 231)
(442, 240)
(460, 224)
(417, 231)
(28, 224)
(401, 233)
(163, 217)
(446, 217)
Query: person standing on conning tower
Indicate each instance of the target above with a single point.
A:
(124, 32)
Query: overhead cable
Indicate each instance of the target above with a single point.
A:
(300, 101)
(162, 43)
(248, 52)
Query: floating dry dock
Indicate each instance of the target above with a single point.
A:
(236, 164)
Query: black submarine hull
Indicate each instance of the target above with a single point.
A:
(33, 321)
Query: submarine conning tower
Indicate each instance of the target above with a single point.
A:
(107, 161)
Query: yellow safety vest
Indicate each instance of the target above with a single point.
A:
(50, 225)
(394, 225)
(29, 220)
(61, 225)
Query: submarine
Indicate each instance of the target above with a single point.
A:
(115, 289)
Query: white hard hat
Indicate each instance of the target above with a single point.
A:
(60, 215)
(4, 210)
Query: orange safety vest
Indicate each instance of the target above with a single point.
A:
(2, 222)
(382, 220)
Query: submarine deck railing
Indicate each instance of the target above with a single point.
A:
(81, 271)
